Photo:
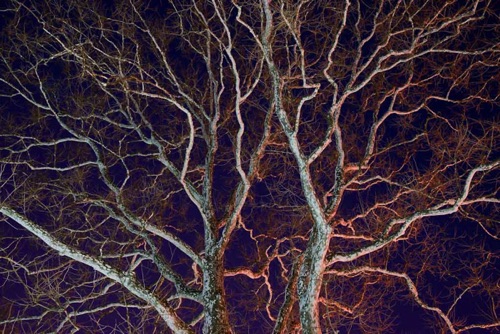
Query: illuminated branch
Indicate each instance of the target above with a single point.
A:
(125, 279)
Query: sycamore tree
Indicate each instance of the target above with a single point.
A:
(236, 166)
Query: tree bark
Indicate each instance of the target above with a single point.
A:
(311, 278)
(216, 319)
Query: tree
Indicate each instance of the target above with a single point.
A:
(222, 166)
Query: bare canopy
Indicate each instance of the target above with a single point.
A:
(237, 166)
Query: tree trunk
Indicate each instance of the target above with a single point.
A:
(216, 319)
(311, 278)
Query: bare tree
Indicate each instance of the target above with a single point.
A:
(227, 166)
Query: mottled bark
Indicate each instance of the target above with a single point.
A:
(214, 299)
